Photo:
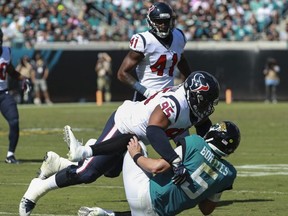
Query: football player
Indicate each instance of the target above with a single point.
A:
(209, 175)
(155, 54)
(8, 105)
(155, 120)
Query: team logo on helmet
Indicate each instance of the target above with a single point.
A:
(197, 83)
(150, 9)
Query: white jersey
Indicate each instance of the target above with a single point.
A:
(132, 117)
(156, 70)
(5, 59)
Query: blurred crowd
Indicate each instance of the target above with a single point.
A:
(27, 22)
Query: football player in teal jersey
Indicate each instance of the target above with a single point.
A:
(208, 175)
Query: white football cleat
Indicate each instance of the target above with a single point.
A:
(77, 152)
(25, 207)
(94, 211)
(50, 165)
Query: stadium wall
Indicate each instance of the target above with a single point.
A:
(73, 79)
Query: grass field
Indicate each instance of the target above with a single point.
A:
(261, 188)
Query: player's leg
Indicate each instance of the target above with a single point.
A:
(87, 171)
(134, 177)
(53, 163)
(10, 112)
(136, 183)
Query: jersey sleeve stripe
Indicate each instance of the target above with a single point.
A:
(144, 40)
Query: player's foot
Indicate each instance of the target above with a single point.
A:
(25, 207)
(11, 160)
(50, 165)
(76, 150)
(94, 211)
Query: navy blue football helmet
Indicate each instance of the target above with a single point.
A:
(202, 93)
(160, 19)
(223, 137)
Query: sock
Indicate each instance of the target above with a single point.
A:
(9, 153)
(39, 188)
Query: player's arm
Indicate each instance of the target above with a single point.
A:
(26, 85)
(14, 73)
(148, 164)
(207, 206)
(183, 66)
(203, 127)
(124, 73)
(157, 124)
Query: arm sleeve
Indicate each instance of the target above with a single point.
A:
(158, 139)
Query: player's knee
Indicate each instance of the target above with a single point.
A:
(14, 123)
(86, 176)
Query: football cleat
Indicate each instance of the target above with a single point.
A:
(11, 160)
(94, 211)
(51, 165)
(76, 150)
(25, 207)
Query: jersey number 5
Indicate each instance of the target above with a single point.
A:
(196, 176)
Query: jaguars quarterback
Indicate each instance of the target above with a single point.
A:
(8, 105)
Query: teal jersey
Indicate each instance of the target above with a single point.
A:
(209, 174)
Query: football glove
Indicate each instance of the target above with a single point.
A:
(180, 172)
(26, 85)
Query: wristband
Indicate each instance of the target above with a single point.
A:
(136, 156)
(140, 88)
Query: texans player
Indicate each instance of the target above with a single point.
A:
(155, 54)
(8, 105)
(155, 120)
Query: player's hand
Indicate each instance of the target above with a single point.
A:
(26, 85)
(180, 174)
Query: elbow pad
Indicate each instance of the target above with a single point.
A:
(159, 141)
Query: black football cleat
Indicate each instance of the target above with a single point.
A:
(11, 160)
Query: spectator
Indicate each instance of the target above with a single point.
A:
(25, 69)
(104, 73)
(57, 20)
(39, 77)
(272, 80)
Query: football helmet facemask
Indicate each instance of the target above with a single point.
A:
(202, 93)
(223, 138)
(160, 19)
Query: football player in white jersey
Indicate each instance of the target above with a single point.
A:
(209, 175)
(155, 54)
(155, 120)
(8, 106)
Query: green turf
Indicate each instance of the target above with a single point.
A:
(264, 141)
